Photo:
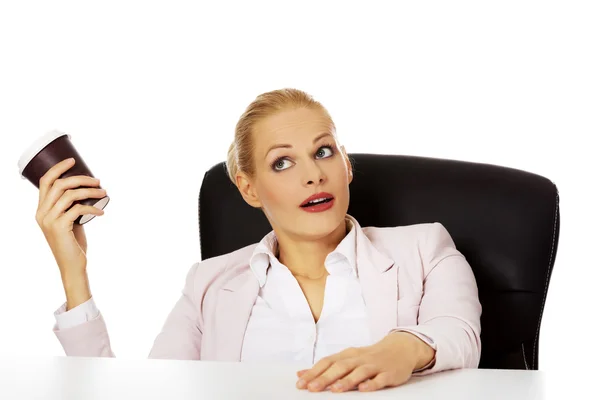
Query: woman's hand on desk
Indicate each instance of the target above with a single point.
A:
(66, 239)
(387, 363)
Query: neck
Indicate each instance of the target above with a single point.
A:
(306, 258)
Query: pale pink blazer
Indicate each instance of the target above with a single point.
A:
(412, 278)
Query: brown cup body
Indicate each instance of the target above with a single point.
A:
(56, 151)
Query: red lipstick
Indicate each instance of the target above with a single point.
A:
(318, 202)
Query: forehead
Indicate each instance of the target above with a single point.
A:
(289, 126)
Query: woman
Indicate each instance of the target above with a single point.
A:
(362, 307)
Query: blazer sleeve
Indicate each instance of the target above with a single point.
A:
(180, 337)
(450, 311)
(181, 334)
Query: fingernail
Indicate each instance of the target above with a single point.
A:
(313, 385)
(337, 386)
(301, 383)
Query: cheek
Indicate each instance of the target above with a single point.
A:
(340, 175)
(341, 184)
(277, 193)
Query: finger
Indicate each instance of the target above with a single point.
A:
(70, 196)
(301, 372)
(60, 186)
(336, 371)
(325, 363)
(354, 378)
(77, 210)
(315, 371)
(381, 381)
(47, 180)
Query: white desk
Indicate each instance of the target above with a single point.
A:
(67, 378)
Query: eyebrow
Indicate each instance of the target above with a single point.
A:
(289, 146)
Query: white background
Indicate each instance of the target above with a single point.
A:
(151, 92)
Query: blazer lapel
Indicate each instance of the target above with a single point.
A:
(378, 276)
(232, 312)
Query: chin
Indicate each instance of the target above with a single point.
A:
(320, 224)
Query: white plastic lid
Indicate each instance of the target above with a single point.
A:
(38, 146)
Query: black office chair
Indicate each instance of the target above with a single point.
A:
(505, 221)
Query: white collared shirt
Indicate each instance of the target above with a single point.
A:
(281, 326)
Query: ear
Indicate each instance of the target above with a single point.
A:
(248, 190)
(348, 164)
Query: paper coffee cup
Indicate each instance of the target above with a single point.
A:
(47, 151)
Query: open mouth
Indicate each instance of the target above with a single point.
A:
(317, 202)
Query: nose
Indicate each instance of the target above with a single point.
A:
(314, 175)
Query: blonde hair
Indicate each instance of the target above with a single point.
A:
(239, 156)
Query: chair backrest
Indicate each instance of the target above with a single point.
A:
(505, 221)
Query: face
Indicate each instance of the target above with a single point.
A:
(296, 156)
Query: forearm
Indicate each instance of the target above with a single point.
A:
(77, 289)
(456, 342)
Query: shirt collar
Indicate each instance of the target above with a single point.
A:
(343, 258)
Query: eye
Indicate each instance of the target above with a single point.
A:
(324, 152)
(280, 164)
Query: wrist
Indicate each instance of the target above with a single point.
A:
(77, 289)
(419, 353)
